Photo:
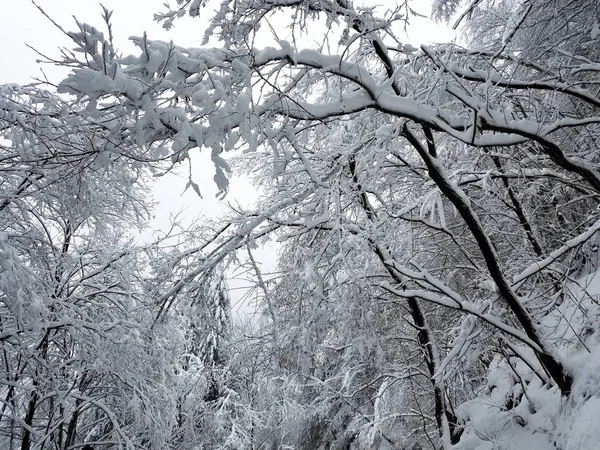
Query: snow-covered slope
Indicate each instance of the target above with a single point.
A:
(519, 411)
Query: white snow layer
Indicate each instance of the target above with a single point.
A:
(518, 411)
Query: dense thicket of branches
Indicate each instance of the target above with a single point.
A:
(435, 209)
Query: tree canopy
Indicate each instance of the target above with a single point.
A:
(435, 211)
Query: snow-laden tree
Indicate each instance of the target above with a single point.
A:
(74, 319)
(82, 357)
(213, 411)
(431, 203)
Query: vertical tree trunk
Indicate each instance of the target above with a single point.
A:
(59, 438)
(445, 420)
(26, 440)
(72, 428)
(518, 209)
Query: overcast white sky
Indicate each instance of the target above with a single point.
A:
(22, 24)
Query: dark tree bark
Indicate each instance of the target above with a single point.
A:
(458, 198)
(443, 415)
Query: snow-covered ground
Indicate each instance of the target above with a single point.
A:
(519, 411)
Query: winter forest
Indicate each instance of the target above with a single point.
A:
(435, 212)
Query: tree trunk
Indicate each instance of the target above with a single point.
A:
(447, 429)
(26, 441)
(72, 429)
(462, 204)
